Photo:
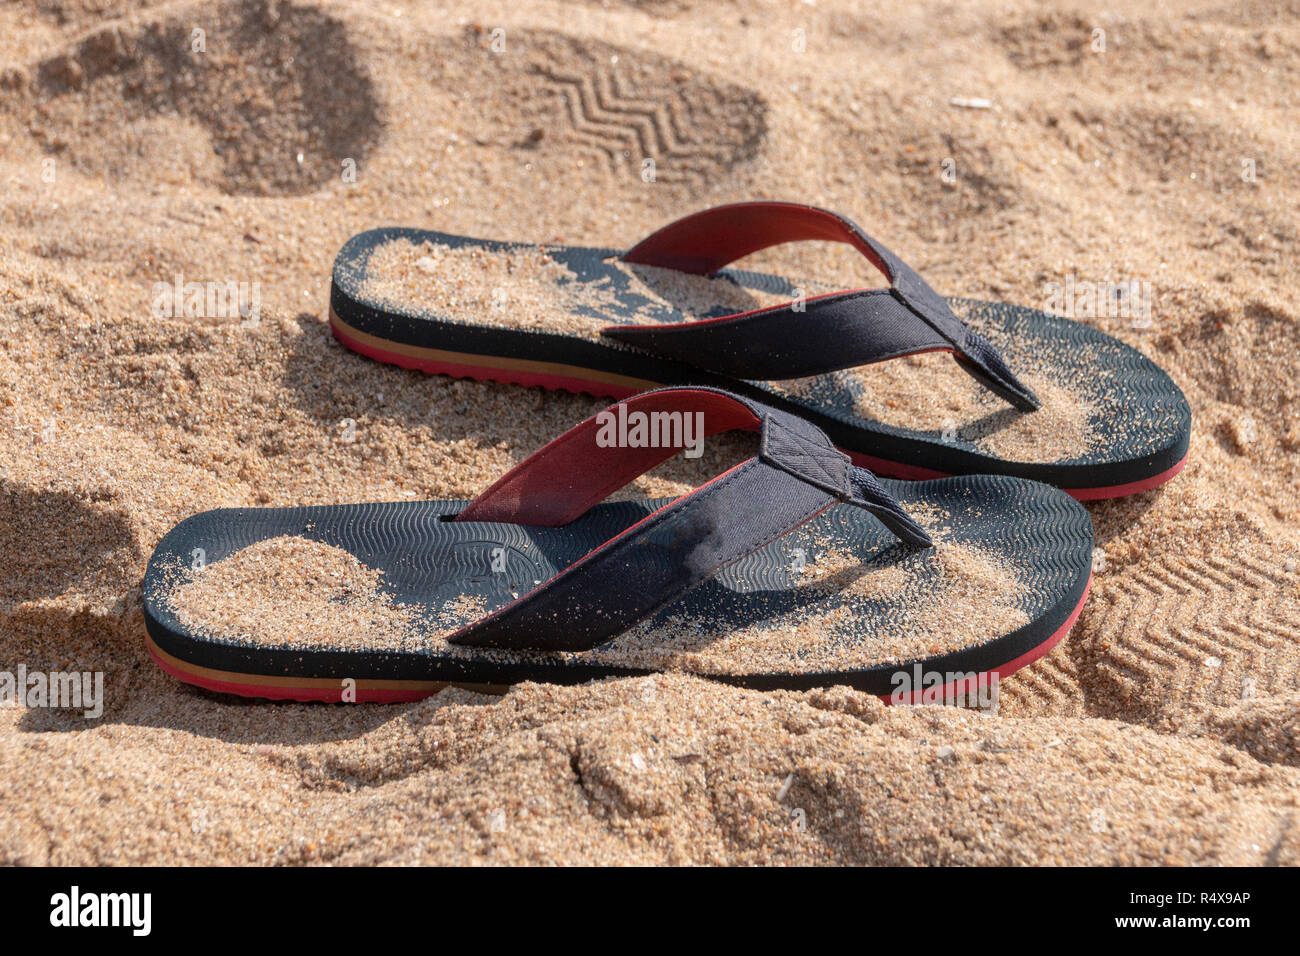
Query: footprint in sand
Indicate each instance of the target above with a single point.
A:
(1173, 634)
(1176, 132)
(1216, 629)
(581, 102)
(254, 97)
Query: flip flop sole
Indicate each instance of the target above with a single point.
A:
(1146, 451)
(1040, 538)
(573, 378)
(330, 690)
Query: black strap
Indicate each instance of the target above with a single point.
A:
(833, 332)
(797, 474)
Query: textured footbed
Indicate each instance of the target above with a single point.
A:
(1040, 538)
(1138, 420)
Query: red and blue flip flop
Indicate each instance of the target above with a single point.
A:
(791, 569)
(1082, 410)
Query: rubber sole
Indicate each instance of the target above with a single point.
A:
(893, 469)
(322, 689)
(333, 690)
(488, 368)
(1040, 538)
(580, 380)
(1139, 422)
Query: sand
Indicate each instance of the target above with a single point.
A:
(1163, 730)
(525, 288)
(290, 592)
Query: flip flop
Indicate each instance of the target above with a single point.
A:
(792, 569)
(1092, 415)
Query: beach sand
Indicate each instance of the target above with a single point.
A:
(1164, 729)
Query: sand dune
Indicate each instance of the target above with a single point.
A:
(1163, 730)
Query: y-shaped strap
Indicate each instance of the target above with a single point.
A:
(796, 475)
(836, 331)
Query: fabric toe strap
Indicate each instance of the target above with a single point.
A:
(836, 331)
(796, 475)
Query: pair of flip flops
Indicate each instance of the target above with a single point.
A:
(795, 568)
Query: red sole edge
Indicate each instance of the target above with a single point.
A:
(363, 695)
(1132, 488)
(892, 469)
(483, 373)
(967, 688)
